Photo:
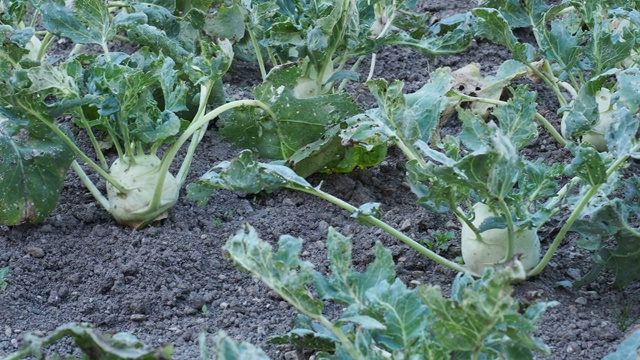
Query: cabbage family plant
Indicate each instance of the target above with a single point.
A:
(501, 197)
(313, 48)
(145, 106)
(382, 318)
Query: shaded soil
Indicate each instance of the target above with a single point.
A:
(79, 265)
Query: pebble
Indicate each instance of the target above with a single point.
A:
(291, 355)
(34, 251)
(288, 202)
(581, 300)
(574, 273)
(138, 317)
(405, 225)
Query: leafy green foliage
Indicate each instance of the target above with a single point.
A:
(33, 166)
(299, 120)
(93, 344)
(382, 317)
(628, 349)
(225, 348)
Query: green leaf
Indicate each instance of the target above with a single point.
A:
(299, 120)
(88, 24)
(227, 23)
(401, 119)
(174, 91)
(482, 318)
(517, 117)
(281, 271)
(331, 154)
(307, 334)
(225, 348)
(404, 315)
(628, 85)
(559, 44)
(621, 133)
(157, 40)
(33, 166)
(587, 164)
(345, 284)
(612, 220)
(160, 17)
(491, 25)
(96, 345)
(628, 349)
(244, 174)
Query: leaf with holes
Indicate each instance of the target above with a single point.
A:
(33, 166)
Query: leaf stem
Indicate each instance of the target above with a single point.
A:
(195, 126)
(93, 189)
(510, 229)
(77, 150)
(576, 213)
(552, 130)
(256, 48)
(387, 228)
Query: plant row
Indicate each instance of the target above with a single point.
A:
(136, 111)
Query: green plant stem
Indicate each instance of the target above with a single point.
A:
(575, 214)
(556, 135)
(504, 208)
(94, 141)
(463, 218)
(205, 92)
(46, 43)
(102, 200)
(256, 48)
(382, 33)
(354, 67)
(195, 126)
(387, 228)
(77, 150)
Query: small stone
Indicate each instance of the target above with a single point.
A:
(306, 253)
(34, 251)
(138, 317)
(291, 355)
(14, 343)
(402, 259)
(572, 348)
(53, 298)
(451, 225)
(283, 305)
(7, 331)
(581, 300)
(288, 202)
(417, 273)
(224, 305)
(574, 273)
(222, 277)
(405, 225)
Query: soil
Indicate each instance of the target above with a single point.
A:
(79, 265)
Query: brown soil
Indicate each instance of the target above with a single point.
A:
(79, 265)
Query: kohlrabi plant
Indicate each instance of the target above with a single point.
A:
(383, 318)
(578, 47)
(480, 175)
(313, 48)
(135, 104)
